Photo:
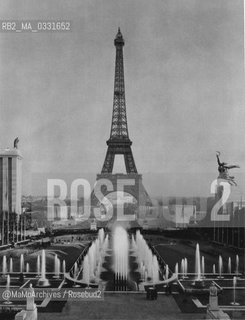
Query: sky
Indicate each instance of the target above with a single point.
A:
(184, 79)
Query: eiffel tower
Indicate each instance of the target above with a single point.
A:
(119, 142)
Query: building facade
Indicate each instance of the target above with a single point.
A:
(11, 221)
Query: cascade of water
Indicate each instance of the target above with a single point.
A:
(11, 265)
(121, 252)
(229, 265)
(27, 267)
(197, 263)
(101, 237)
(4, 265)
(144, 255)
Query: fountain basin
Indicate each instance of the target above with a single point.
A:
(197, 287)
(43, 283)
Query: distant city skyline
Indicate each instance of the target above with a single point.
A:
(184, 78)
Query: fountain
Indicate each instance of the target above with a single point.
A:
(11, 265)
(203, 267)
(27, 267)
(4, 266)
(198, 282)
(182, 268)
(7, 288)
(229, 265)
(185, 267)
(220, 267)
(177, 269)
(86, 272)
(155, 270)
(237, 265)
(63, 267)
(56, 266)
(21, 263)
(101, 236)
(147, 262)
(121, 253)
(38, 268)
(214, 269)
(75, 270)
(43, 281)
(167, 272)
(234, 303)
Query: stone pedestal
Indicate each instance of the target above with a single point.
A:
(213, 310)
(31, 309)
(219, 315)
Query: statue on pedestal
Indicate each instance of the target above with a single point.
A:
(213, 298)
(16, 141)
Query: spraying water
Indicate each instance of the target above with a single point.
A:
(38, 266)
(7, 288)
(56, 266)
(43, 281)
(177, 269)
(185, 267)
(21, 263)
(121, 252)
(4, 266)
(237, 264)
(197, 263)
(11, 265)
(203, 267)
(234, 303)
(229, 265)
(220, 266)
(167, 272)
(86, 273)
(214, 269)
(64, 267)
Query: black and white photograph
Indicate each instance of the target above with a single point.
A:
(122, 159)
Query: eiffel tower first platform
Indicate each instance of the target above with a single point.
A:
(120, 144)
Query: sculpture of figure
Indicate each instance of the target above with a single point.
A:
(223, 170)
(213, 290)
(16, 141)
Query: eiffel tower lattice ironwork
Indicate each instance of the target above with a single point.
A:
(119, 142)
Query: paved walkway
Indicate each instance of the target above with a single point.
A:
(119, 306)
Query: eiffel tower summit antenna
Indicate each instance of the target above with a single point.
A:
(119, 143)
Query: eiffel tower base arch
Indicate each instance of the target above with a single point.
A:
(131, 184)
